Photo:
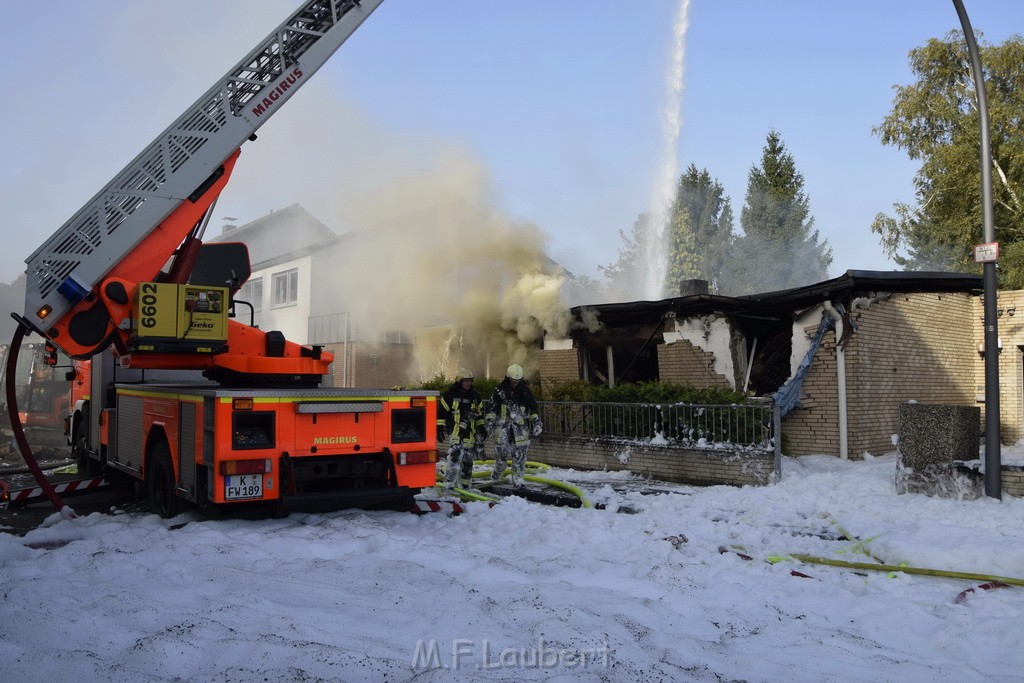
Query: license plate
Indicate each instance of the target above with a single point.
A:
(243, 486)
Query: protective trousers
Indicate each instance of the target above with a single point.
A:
(458, 465)
(517, 454)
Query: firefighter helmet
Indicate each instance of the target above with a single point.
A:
(465, 374)
(515, 371)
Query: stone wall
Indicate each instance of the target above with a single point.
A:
(933, 438)
(685, 466)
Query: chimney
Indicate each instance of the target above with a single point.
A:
(693, 287)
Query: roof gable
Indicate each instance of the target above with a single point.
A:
(284, 234)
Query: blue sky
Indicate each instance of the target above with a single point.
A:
(556, 104)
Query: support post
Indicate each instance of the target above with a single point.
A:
(993, 461)
(777, 429)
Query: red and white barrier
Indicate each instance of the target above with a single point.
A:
(452, 507)
(66, 487)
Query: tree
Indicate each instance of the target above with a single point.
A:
(700, 231)
(626, 276)
(583, 289)
(935, 120)
(697, 238)
(779, 248)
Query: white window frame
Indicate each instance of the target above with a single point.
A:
(252, 291)
(287, 283)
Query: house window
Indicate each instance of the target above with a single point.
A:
(396, 337)
(286, 287)
(252, 291)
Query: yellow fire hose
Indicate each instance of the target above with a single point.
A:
(574, 490)
(534, 466)
(811, 559)
(473, 495)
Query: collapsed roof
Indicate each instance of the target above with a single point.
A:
(783, 303)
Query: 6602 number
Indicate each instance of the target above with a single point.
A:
(147, 310)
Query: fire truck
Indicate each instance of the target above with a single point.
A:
(43, 396)
(179, 395)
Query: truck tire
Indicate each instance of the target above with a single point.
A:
(87, 465)
(163, 499)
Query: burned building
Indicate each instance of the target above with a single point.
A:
(902, 336)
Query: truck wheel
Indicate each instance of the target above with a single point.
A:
(87, 467)
(163, 499)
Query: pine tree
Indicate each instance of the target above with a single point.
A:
(698, 239)
(779, 248)
(700, 231)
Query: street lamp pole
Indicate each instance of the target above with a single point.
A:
(993, 463)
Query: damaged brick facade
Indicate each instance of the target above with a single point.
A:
(922, 346)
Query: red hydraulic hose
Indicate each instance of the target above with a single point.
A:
(16, 427)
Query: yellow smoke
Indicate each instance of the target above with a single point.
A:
(435, 259)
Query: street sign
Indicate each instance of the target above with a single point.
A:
(986, 253)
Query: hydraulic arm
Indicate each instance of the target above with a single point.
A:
(82, 283)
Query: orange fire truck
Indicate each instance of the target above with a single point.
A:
(180, 395)
(42, 394)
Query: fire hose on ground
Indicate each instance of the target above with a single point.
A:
(532, 466)
(924, 571)
(986, 581)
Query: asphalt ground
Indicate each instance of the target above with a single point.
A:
(58, 468)
(21, 519)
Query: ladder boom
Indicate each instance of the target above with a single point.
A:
(185, 159)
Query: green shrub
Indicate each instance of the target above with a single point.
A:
(436, 383)
(439, 383)
(640, 392)
(566, 390)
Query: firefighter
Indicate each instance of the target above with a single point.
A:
(459, 420)
(512, 418)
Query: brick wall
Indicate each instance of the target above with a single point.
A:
(910, 347)
(684, 363)
(1013, 481)
(1011, 367)
(907, 347)
(685, 466)
(814, 426)
(558, 365)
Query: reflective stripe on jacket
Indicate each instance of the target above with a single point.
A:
(457, 406)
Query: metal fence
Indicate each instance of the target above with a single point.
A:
(736, 427)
